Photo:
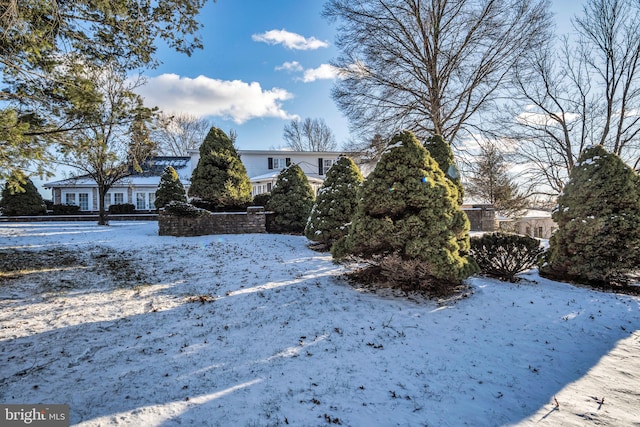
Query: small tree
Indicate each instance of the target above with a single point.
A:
(170, 188)
(489, 182)
(291, 201)
(336, 203)
(220, 179)
(598, 237)
(21, 197)
(407, 209)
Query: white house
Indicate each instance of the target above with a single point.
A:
(138, 189)
(263, 166)
(533, 223)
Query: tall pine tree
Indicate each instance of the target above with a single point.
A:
(335, 204)
(220, 179)
(170, 188)
(598, 217)
(291, 201)
(408, 209)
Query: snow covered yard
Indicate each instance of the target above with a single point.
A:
(131, 328)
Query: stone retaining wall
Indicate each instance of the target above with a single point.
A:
(251, 221)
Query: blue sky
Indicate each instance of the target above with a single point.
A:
(263, 64)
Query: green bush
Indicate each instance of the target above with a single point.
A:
(184, 209)
(291, 201)
(65, 209)
(261, 199)
(335, 204)
(598, 217)
(122, 208)
(220, 179)
(21, 201)
(504, 255)
(170, 188)
(441, 152)
(407, 208)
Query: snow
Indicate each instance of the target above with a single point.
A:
(260, 330)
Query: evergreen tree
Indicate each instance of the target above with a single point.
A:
(408, 209)
(335, 204)
(170, 188)
(220, 179)
(489, 182)
(441, 152)
(598, 236)
(291, 201)
(21, 197)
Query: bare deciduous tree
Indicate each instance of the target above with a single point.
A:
(586, 92)
(428, 66)
(175, 134)
(309, 135)
(113, 139)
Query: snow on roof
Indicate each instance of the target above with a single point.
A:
(266, 177)
(537, 213)
(152, 169)
(271, 176)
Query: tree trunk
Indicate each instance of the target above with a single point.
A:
(103, 217)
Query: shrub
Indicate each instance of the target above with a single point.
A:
(441, 152)
(184, 209)
(504, 255)
(291, 201)
(408, 208)
(122, 208)
(336, 203)
(23, 201)
(170, 188)
(220, 179)
(261, 199)
(65, 209)
(598, 236)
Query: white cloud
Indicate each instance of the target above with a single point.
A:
(204, 96)
(289, 40)
(323, 72)
(290, 66)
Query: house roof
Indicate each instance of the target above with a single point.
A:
(272, 176)
(152, 169)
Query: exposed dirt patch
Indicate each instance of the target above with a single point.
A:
(62, 268)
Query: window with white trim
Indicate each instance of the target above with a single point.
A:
(70, 198)
(83, 201)
(326, 165)
(145, 201)
(279, 163)
(141, 201)
(118, 198)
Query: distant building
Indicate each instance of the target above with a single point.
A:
(138, 189)
(534, 223)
